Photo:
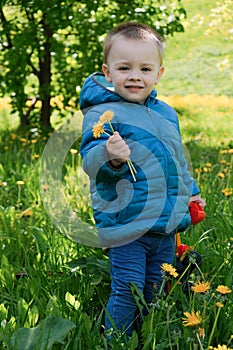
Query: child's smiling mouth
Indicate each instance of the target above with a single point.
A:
(134, 87)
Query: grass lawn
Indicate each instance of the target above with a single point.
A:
(197, 62)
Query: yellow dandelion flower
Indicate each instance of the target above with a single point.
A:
(97, 130)
(168, 268)
(20, 182)
(231, 238)
(23, 140)
(230, 151)
(201, 332)
(73, 151)
(13, 136)
(220, 347)
(36, 156)
(218, 304)
(208, 165)
(205, 169)
(26, 213)
(223, 289)
(221, 175)
(227, 192)
(106, 117)
(224, 151)
(197, 171)
(200, 287)
(34, 141)
(223, 161)
(192, 320)
(1, 183)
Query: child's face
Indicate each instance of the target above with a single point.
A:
(133, 66)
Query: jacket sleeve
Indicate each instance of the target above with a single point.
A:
(188, 180)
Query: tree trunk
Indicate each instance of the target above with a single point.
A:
(45, 77)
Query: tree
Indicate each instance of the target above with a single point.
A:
(49, 47)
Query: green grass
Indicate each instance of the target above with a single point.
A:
(51, 285)
(193, 59)
(48, 279)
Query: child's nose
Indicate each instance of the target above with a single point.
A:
(134, 75)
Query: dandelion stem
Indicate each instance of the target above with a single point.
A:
(229, 175)
(72, 157)
(111, 127)
(106, 133)
(220, 268)
(131, 168)
(168, 327)
(214, 326)
(175, 284)
(199, 341)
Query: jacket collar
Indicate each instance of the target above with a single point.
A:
(97, 90)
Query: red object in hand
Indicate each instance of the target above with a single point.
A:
(196, 212)
(181, 249)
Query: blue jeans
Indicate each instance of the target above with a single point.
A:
(138, 262)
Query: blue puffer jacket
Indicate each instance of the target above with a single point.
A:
(158, 200)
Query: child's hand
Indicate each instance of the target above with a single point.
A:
(117, 148)
(197, 199)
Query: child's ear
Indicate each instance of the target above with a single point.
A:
(159, 75)
(106, 72)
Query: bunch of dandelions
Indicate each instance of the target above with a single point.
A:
(98, 130)
(196, 320)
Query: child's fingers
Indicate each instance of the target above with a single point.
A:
(197, 199)
(115, 137)
(117, 147)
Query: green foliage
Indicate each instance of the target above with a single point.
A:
(52, 330)
(47, 277)
(49, 48)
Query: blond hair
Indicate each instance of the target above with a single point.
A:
(134, 31)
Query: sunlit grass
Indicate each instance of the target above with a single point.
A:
(206, 119)
(198, 61)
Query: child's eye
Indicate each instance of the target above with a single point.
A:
(146, 69)
(123, 68)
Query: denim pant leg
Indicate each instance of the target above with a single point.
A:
(162, 250)
(128, 264)
(138, 262)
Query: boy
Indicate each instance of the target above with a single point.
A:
(136, 216)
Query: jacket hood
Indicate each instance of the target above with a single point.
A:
(97, 90)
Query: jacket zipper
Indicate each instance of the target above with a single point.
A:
(165, 158)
